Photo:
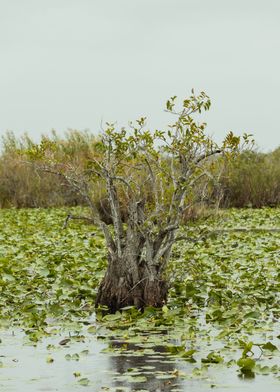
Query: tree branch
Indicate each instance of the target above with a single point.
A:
(73, 217)
(206, 155)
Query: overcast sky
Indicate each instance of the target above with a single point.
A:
(74, 63)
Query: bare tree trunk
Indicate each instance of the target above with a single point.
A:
(131, 282)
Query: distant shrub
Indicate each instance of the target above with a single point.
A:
(21, 185)
(250, 180)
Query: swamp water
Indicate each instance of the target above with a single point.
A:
(94, 362)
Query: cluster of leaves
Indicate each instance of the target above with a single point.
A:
(47, 272)
(240, 279)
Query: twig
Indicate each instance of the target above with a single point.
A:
(140, 281)
(70, 216)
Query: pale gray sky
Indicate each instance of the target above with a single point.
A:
(71, 63)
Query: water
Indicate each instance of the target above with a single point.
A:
(123, 367)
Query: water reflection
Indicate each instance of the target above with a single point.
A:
(247, 375)
(134, 361)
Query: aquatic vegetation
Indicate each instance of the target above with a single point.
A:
(222, 316)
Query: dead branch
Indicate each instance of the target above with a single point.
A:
(76, 217)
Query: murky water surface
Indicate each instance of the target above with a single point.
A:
(86, 363)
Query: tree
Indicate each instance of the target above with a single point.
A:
(152, 174)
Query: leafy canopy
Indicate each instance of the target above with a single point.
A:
(159, 168)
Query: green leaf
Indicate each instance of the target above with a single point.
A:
(188, 354)
(84, 382)
(212, 358)
(246, 363)
(91, 329)
(165, 309)
(269, 346)
(254, 315)
(49, 359)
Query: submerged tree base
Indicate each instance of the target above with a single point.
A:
(117, 293)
